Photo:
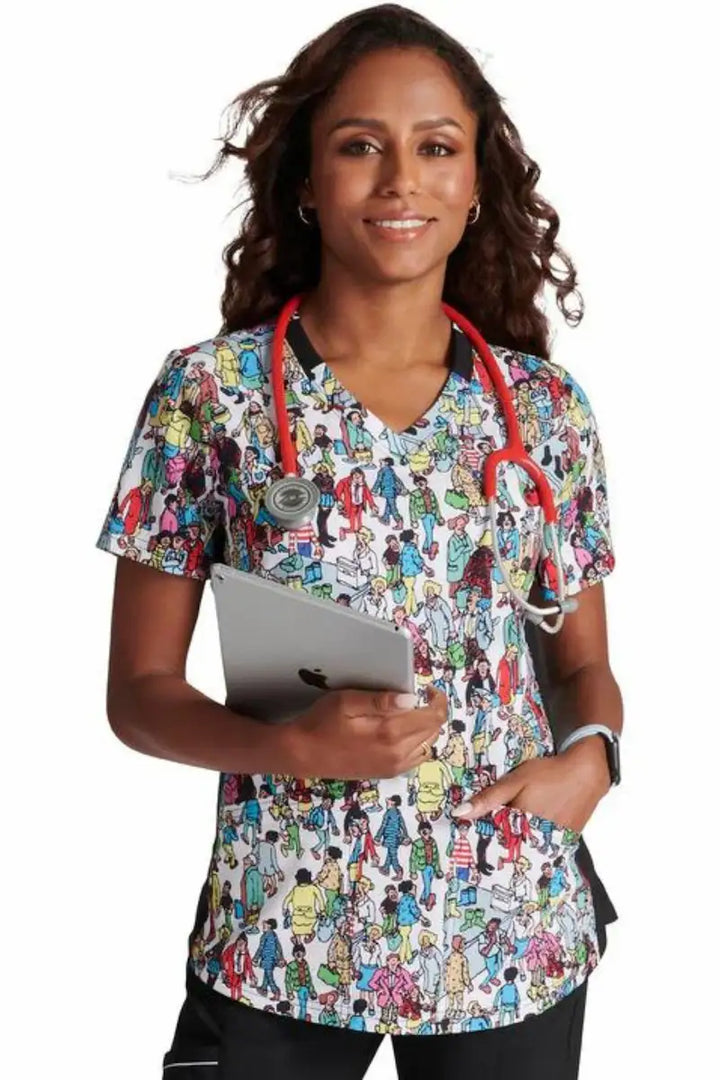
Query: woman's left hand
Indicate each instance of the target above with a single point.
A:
(564, 788)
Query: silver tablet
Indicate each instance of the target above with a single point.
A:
(281, 649)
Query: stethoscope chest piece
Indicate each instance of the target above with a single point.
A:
(292, 501)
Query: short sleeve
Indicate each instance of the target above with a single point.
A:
(584, 534)
(164, 511)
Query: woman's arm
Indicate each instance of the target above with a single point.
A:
(151, 707)
(583, 687)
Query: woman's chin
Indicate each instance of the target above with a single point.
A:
(395, 269)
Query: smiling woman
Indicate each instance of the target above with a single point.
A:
(402, 870)
(414, 182)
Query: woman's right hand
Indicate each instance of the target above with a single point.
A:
(354, 734)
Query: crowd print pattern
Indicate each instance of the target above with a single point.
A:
(364, 904)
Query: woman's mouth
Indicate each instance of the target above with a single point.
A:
(399, 228)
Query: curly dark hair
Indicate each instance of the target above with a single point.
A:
(496, 273)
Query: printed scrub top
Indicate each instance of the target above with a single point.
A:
(364, 904)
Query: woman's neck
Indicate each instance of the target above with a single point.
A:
(395, 325)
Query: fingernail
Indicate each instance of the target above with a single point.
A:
(405, 701)
(463, 810)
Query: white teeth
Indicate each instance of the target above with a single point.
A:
(411, 223)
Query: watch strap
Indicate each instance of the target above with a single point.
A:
(612, 745)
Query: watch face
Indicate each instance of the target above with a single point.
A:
(612, 749)
(615, 759)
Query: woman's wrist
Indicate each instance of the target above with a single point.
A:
(588, 759)
(288, 749)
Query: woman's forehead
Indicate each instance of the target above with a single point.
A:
(393, 85)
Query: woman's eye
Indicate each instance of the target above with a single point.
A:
(441, 146)
(351, 148)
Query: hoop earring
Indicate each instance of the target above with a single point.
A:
(476, 209)
(302, 216)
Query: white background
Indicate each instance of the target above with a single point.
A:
(108, 263)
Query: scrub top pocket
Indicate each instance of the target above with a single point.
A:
(534, 857)
(550, 834)
(517, 826)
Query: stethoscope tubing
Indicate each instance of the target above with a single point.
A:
(513, 452)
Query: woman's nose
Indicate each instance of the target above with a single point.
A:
(399, 175)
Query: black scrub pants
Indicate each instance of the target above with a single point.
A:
(220, 1039)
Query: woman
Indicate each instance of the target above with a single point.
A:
(364, 556)
(385, 178)
(374, 601)
(367, 957)
(459, 550)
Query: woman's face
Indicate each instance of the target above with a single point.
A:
(395, 137)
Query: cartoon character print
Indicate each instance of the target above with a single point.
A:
(363, 903)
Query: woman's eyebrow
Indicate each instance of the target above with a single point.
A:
(380, 125)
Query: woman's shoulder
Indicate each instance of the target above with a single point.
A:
(529, 371)
(255, 339)
(519, 367)
(572, 388)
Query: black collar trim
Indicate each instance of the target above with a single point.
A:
(461, 355)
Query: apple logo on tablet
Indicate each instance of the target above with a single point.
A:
(314, 678)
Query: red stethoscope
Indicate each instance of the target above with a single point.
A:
(293, 500)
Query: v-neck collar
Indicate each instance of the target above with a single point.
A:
(460, 377)
(461, 352)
